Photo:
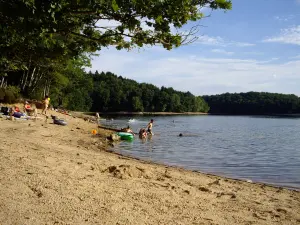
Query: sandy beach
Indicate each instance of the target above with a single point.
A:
(51, 174)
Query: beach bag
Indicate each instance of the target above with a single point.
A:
(4, 110)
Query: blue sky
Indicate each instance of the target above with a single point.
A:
(253, 47)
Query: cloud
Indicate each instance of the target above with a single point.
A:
(202, 75)
(287, 36)
(285, 18)
(222, 51)
(253, 53)
(218, 41)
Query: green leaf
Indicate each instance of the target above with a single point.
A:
(115, 5)
(159, 19)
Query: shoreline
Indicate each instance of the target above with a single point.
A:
(146, 113)
(65, 175)
(296, 115)
(196, 171)
(292, 188)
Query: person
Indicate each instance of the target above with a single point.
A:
(127, 130)
(97, 117)
(17, 109)
(142, 133)
(149, 127)
(29, 109)
(45, 104)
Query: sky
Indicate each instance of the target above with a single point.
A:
(253, 47)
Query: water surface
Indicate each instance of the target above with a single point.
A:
(262, 149)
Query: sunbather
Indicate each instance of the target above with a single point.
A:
(29, 109)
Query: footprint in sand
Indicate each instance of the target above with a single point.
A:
(204, 189)
(126, 171)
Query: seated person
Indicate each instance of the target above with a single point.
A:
(31, 111)
(142, 133)
(127, 130)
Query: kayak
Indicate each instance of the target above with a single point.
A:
(125, 136)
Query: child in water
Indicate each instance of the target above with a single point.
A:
(142, 133)
(149, 127)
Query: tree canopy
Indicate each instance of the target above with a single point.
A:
(35, 30)
(112, 94)
(46, 44)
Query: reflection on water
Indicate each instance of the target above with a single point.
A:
(257, 148)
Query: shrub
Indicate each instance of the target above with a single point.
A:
(9, 97)
(2, 94)
(15, 90)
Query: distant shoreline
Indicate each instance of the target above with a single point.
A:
(187, 113)
(148, 113)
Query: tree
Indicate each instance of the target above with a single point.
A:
(89, 25)
(39, 38)
(137, 104)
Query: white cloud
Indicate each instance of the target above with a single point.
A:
(218, 41)
(202, 75)
(222, 51)
(253, 53)
(210, 40)
(242, 44)
(288, 36)
(285, 18)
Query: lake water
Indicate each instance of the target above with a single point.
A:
(261, 149)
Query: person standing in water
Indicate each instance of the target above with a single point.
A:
(149, 127)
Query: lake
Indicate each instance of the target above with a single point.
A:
(261, 149)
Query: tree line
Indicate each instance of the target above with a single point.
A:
(115, 93)
(253, 103)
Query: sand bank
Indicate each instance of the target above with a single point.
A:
(52, 174)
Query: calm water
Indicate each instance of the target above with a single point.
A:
(262, 149)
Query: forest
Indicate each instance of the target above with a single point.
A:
(253, 103)
(112, 93)
(45, 46)
(107, 92)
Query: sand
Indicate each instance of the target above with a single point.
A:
(51, 174)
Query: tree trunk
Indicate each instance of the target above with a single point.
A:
(25, 80)
(2, 82)
(22, 79)
(34, 86)
(48, 89)
(5, 84)
(32, 77)
(45, 89)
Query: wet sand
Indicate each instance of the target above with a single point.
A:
(51, 174)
